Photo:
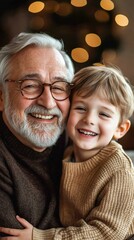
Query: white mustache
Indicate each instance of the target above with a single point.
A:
(43, 111)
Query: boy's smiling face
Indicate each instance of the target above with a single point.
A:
(93, 122)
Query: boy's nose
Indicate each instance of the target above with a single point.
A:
(90, 118)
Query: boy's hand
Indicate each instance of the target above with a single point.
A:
(18, 234)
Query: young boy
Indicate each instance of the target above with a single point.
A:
(97, 185)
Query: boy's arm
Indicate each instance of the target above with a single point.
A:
(110, 219)
(30, 233)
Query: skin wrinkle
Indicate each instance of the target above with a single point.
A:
(36, 132)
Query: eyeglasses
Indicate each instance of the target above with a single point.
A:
(33, 88)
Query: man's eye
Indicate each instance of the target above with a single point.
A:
(29, 86)
(57, 88)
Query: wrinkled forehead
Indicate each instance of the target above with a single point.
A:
(37, 60)
(39, 54)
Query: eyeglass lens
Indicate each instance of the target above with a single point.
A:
(32, 89)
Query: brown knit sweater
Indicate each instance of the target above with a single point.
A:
(101, 192)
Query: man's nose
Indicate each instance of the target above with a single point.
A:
(46, 99)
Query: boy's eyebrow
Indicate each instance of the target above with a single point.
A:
(101, 107)
(78, 101)
(108, 109)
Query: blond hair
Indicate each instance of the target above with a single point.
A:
(108, 81)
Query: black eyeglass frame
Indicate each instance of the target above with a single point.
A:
(42, 87)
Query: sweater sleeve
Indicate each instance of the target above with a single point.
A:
(72, 232)
(7, 210)
(110, 219)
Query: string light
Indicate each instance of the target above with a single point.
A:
(101, 16)
(93, 40)
(121, 20)
(79, 3)
(64, 9)
(79, 55)
(36, 7)
(107, 5)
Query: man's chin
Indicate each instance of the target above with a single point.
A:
(45, 140)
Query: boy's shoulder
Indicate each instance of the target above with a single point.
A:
(117, 158)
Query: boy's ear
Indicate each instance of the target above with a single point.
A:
(122, 129)
(1, 100)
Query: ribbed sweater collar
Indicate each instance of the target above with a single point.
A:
(103, 155)
(17, 148)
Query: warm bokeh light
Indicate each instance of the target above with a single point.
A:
(79, 55)
(98, 64)
(51, 6)
(36, 7)
(107, 5)
(109, 56)
(79, 3)
(121, 20)
(64, 9)
(93, 40)
(102, 16)
(36, 22)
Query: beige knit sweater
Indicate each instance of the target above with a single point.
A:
(101, 192)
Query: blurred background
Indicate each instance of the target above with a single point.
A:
(93, 31)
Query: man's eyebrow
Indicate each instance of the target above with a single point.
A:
(38, 76)
(31, 75)
(60, 78)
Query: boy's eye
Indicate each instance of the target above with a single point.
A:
(105, 115)
(80, 108)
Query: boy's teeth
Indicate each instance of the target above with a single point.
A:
(87, 133)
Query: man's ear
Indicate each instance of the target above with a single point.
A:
(1, 100)
(122, 129)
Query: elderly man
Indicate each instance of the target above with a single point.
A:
(35, 83)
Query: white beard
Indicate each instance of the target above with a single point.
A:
(39, 134)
